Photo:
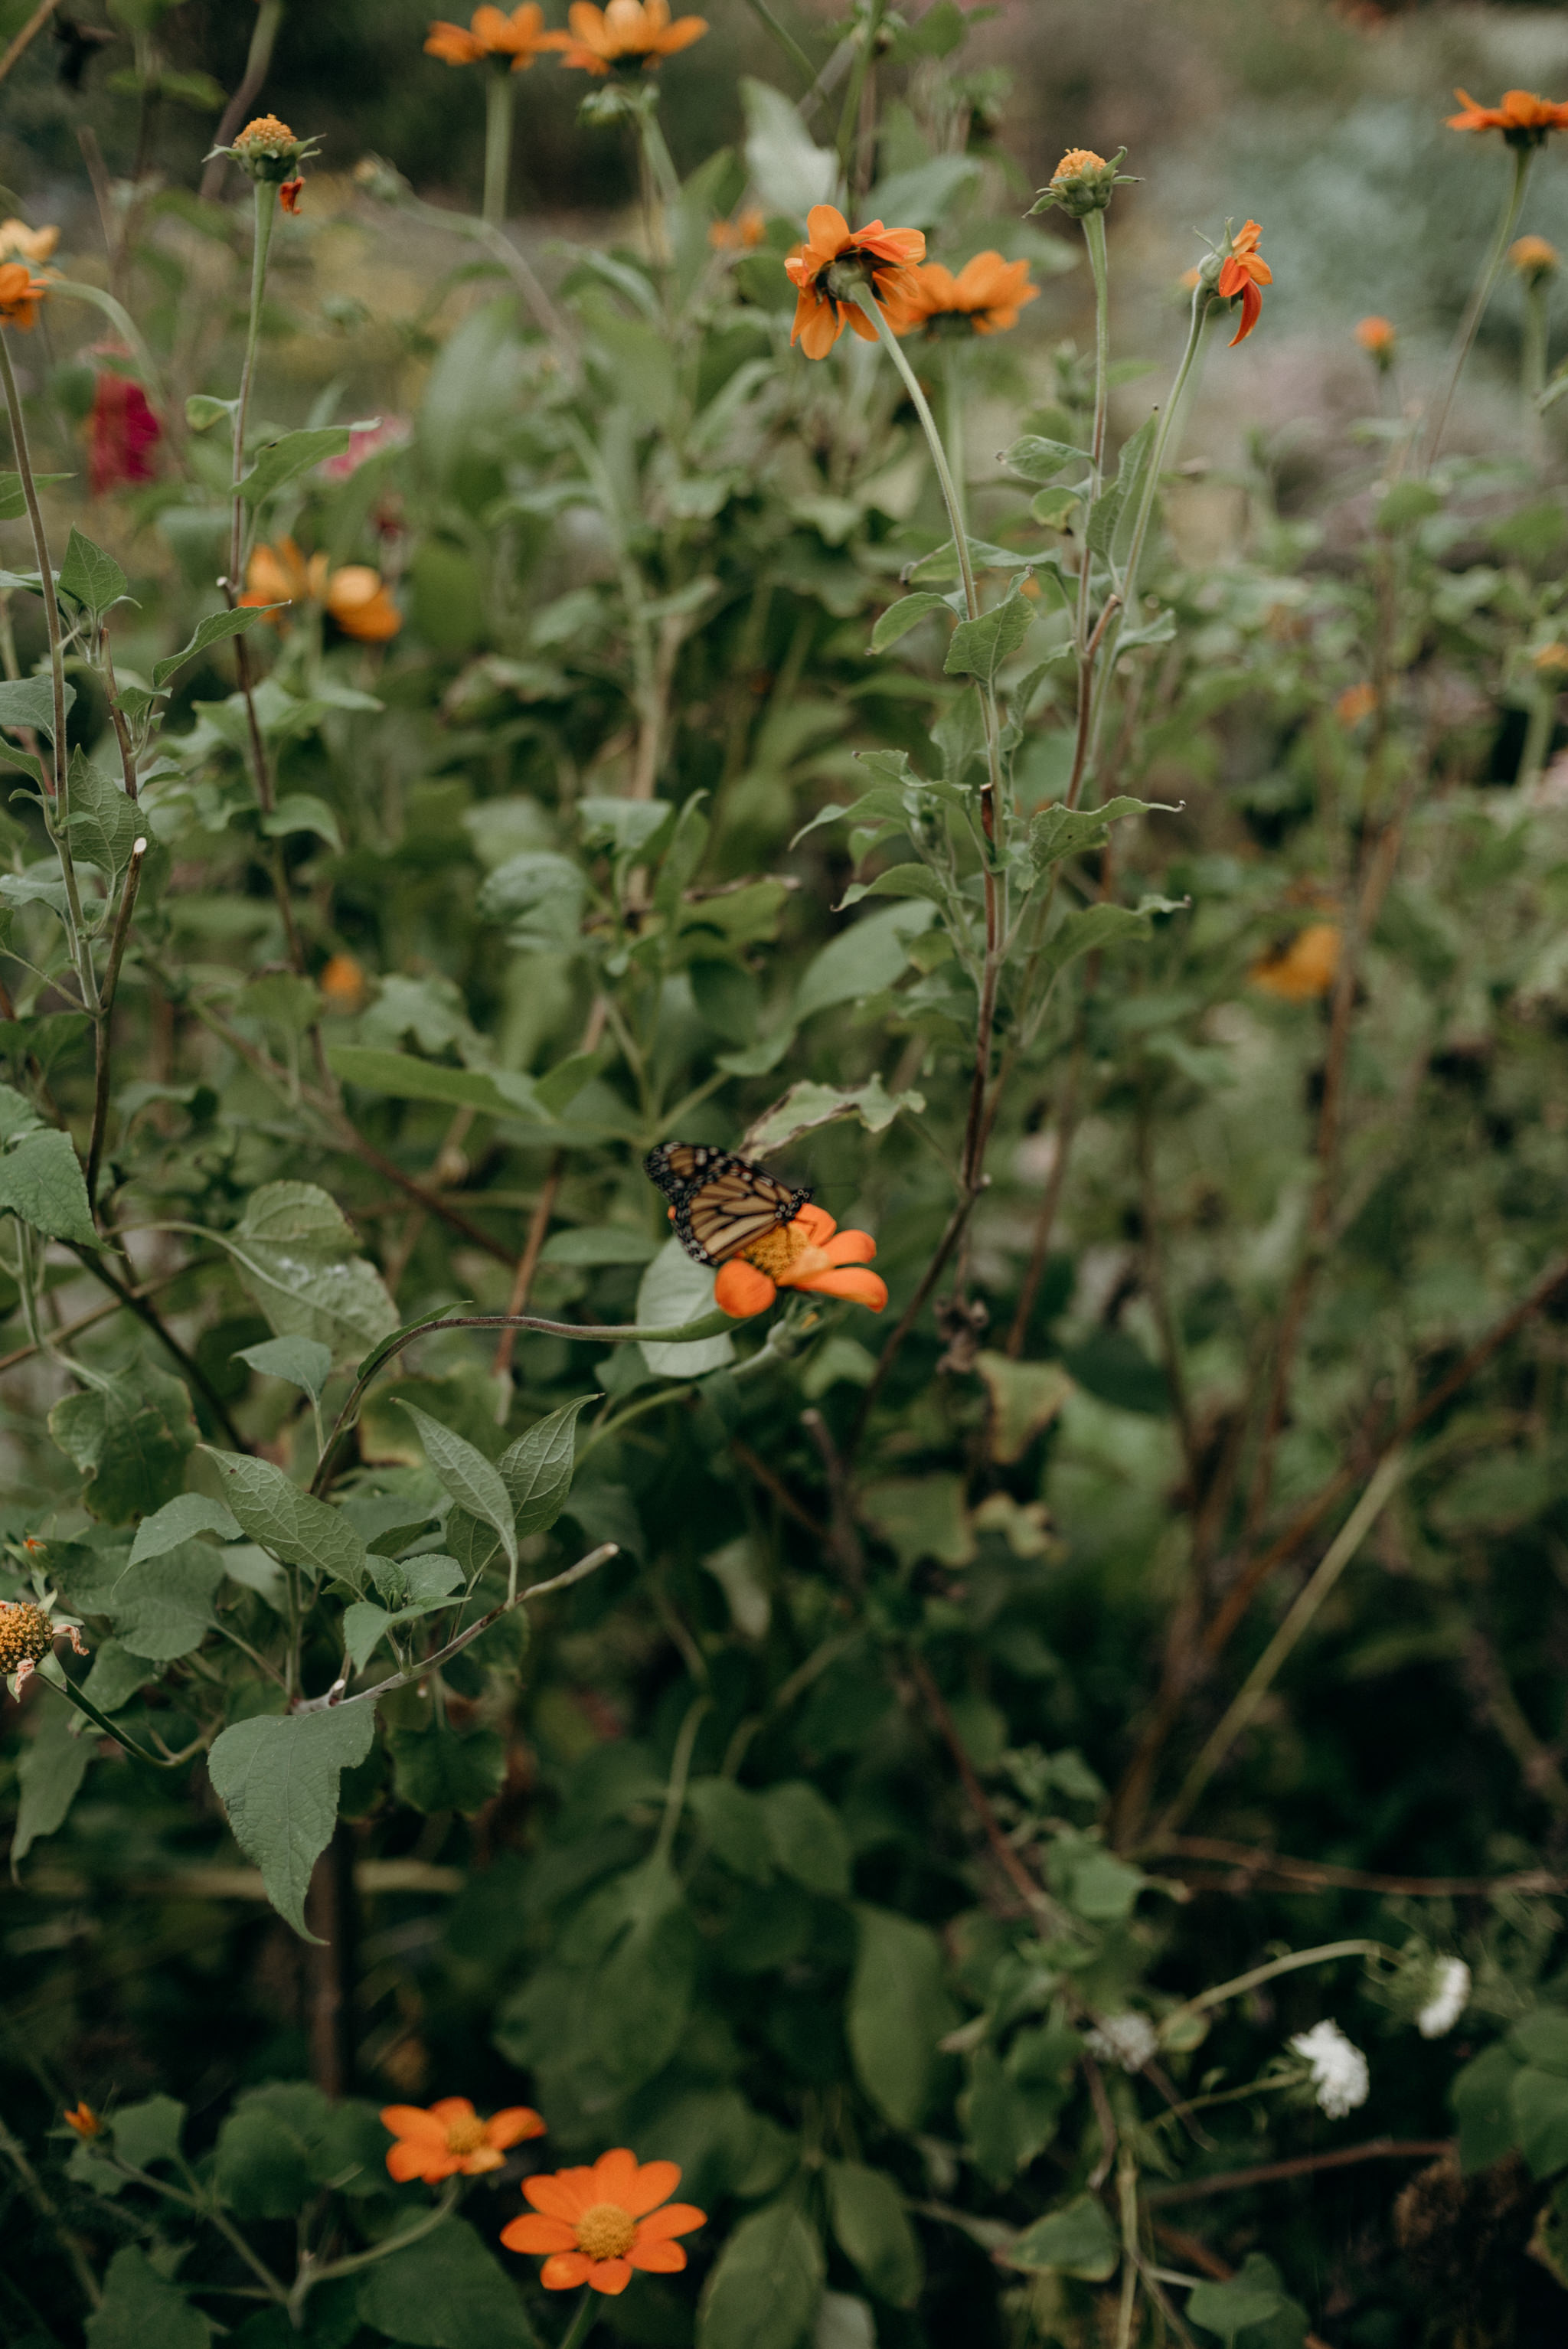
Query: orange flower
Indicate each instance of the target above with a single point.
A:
(1243, 273)
(626, 33)
(342, 981)
(450, 2140)
(1305, 968)
(804, 1254)
(20, 243)
(354, 596)
(1357, 703)
(833, 259)
(741, 234)
(1535, 258)
(987, 293)
(1376, 338)
(289, 192)
(1524, 118)
(85, 2121)
(597, 2224)
(20, 295)
(521, 36)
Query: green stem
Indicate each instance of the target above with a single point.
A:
(1291, 1963)
(1093, 238)
(1537, 735)
(266, 205)
(680, 1772)
(1532, 346)
(866, 50)
(577, 2331)
(952, 404)
(1469, 325)
(500, 96)
(786, 40)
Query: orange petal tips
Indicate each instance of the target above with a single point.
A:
(626, 34)
(449, 2140)
(809, 1253)
(834, 260)
(20, 295)
(984, 298)
(512, 42)
(1524, 119)
(1243, 271)
(596, 2225)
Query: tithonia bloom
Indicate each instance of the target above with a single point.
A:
(450, 2140)
(85, 2121)
(1377, 338)
(1535, 258)
(832, 261)
(342, 981)
(809, 1253)
(20, 295)
(354, 596)
(985, 298)
(1305, 968)
(20, 243)
(741, 234)
(123, 434)
(1524, 118)
(519, 38)
(597, 2224)
(626, 33)
(1357, 703)
(1244, 272)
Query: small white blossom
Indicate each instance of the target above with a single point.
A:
(1340, 2079)
(1450, 1998)
(1130, 2040)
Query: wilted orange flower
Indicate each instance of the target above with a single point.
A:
(491, 33)
(1376, 338)
(986, 295)
(20, 295)
(626, 33)
(1531, 257)
(355, 596)
(809, 1253)
(1524, 118)
(597, 2224)
(1244, 272)
(85, 2121)
(740, 234)
(833, 259)
(20, 243)
(450, 2140)
(342, 981)
(1357, 703)
(1305, 968)
(289, 191)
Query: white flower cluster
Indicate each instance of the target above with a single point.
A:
(1130, 2040)
(1450, 1998)
(1340, 2079)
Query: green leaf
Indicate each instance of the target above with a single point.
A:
(163, 1608)
(89, 576)
(1253, 2296)
(41, 1181)
(1091, 930)
(210, 631)
(202, 411)
(1039, 459)
(897, 2011)
(148, 2131)
(51, 1770)
(1060, 832)
(402, 1076)
(1093, 1882)
(303, 811)
(104, 824)
(142, 2310)
(445, 2292)
(597, 1244)
(873, 2226)
(806, 1837)
(791, 171)
(906, 613)
(1404, 503)
(435, 1771)
(910, 879)
(365, 1624)
(1025, 1399)
(277, 1779)
(628, 826)
(30, 702)
(284, 460)
(115, 1677)
(537, 1469)
(1077, 2241)
(305, 1362)
(12, 497)
(674, 1290)
(980, 647)
(261, 2165)
(1539, 2102)
(1125, 491)
(179, 1521)
(131, 1441)
(298, 1529)
(642, 1992)
(766, 2289)
(863, 960)
(298, 1259)
(474, 1483)
(807, 1106)
(735, 1826)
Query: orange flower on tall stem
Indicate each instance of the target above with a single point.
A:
(834, 260)
(1244, 272)
(597, 2224)
(1524, 118)
(1377, 338)
(809, 1253)
(449, 2140)
(984, 298)
(355, 596)
(627, 33)
(20, 295)
(518, 39)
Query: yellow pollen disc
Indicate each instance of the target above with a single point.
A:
(465, 2137)
(606, 2231)
(25, 1636)
(1076, 159)
(777, 1250)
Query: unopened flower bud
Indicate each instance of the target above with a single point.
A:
(1378, 338)
(268, 150)
(1534, 259)
(1083, 182)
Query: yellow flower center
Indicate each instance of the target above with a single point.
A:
(1077, 160)
(267, 133)
(777, 1251)
(606, 2231)
(25, 1636)
(465, 2137)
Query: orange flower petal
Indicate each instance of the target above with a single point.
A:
(827, 231)
(412, 2121)
(817, 1224)
(448, 2109)
(512, 2125)
(658, 2258)
(564, 2270)
(609, 2276)
(564, 2194)
(742, 1290)
(654, 2182)
(532, 2232)
(675, 2218)
(859, 1288)
(850, 1248)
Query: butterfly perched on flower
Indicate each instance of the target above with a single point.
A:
(719, 1204)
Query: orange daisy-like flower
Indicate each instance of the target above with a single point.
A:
(1376, 338)
(1244, 272)
(521, 37)
(20, 295)
(85, 2121)
(1304, 969)
(1524, 118)
(809, 1253)
(450, 2140)
(833, 260)
(626, 33)
(986, 296)
(355, 596)
(342, 981)
(597, 2224)
(741, 234)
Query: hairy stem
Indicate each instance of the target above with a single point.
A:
(1485, 285)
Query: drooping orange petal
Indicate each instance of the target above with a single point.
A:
(608, 2276)
(564, 2270)
(850, 1247)
(740, 1292)
(1252, 311)
(861, 1287)
(827, 231)
(511, 2124)
(532, 2232)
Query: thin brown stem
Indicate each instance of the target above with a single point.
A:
(1247, 1868)
(843, 1540)
(908, 1318)
(137, 1301)
(1160, 1296)
(1269, 2173)
(1037, 1903)
(16, 49)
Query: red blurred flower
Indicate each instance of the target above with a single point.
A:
(123, 434)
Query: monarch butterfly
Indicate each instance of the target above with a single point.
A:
(721, 1203)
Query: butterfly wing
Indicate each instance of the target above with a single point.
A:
(677, 1166)
(721, 1203)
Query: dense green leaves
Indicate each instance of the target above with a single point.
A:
(474, 1483)
(871, 2225)
(142, 2310)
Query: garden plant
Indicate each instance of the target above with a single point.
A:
(782, 1245)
